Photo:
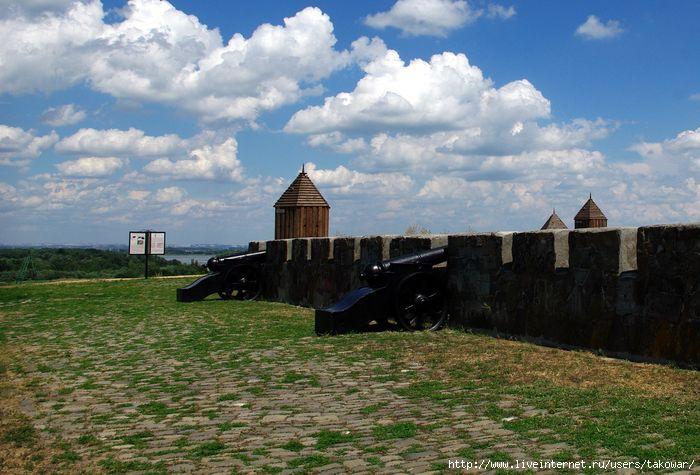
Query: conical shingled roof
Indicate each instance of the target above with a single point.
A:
(589, 210)
(302, 192)
(554, 222)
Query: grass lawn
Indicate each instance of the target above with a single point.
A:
(117, 377)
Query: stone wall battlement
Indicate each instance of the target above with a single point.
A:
(632, 291)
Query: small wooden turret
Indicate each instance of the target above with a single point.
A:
(301, 211)
(590, 216)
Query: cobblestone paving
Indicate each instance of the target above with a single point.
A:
(251, 391)
(264, 410)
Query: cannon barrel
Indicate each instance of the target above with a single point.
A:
(422, 258)
(218, 263)
(376, 274)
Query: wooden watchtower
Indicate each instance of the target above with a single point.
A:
(301, 211)
(590, 216)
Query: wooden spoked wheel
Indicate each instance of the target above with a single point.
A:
(420, 302)
(241, 283)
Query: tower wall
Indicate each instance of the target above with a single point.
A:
(590, 223)
(302, 221)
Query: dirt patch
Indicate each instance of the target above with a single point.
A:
(523, 363)
(24, 448)
(106, 279)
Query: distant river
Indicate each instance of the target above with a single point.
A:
(200, 259)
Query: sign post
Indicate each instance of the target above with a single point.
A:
(146, 243)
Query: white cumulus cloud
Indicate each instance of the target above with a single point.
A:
(499, 11)
(344, 181)
(18, 147)
(93, 167)
(138, 195)
(68, 114)
(31, 8)
(425, 17)
(157, 53)
(110, 142)
(678, 156)
(209, 162)
(445, 93)
(594, 29)
(171, 194)
(338, 142)
(442, 114)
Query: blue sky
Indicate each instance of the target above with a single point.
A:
(192, 117)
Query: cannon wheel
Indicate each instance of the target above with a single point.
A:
(420, 302)
(241, 283)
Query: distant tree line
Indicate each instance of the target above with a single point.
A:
(88, 263)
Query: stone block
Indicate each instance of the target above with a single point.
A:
(345, 272)
(301, 250)
(540, 251)
(533, 289)
(473, 264)
(668, 292)
(371, 250)
(320, 265)
(299, 270)
(334, 275)
(276, 252)
(597, 257)
(404, 245)
(255, 246)
(346, 251)
(321, 249)
(275, 270)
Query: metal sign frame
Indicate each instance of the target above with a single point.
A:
(134, 248)
(154, 238)
(146, 245)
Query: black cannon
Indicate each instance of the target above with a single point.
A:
(407, 290)
(236, 276)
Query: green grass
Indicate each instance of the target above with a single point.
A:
(138, 440)
(158, 409)
(434, 390)
(113, 466)
(371, 409)
(293, 446)
(399, 430)
(227, 397)
(309, 462)
(294, 377)
(88, 439)
(224, 426)
(208, 449)
(22, 435)
(67, 456)
(327, 438)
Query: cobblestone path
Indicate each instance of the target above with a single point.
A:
(226, 387)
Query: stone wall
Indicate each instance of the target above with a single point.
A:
(627, 291)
